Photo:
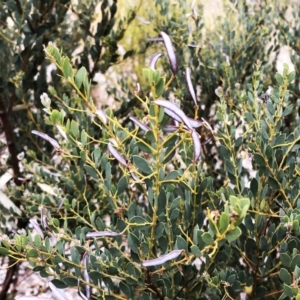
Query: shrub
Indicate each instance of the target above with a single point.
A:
(130, 209)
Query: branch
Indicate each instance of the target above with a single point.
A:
(9, 135)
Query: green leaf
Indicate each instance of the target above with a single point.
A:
(196, 251)
(138, 221)
(181, 244)
(288, 291)
(297, 272)
(249, 117)
(259, 160)
(291, 76)
(207, 238)
(55, 117)
(59, 284)
(133, 243)
(125, 289)
(74, 129)
(285, 259)
(285, 276)
(175, 203)
(279, 78)
(32, 253)
(288, 110)
(91, 171)
(67, 68)
(295, 262)
(159, 230)
(37, 241)
(229, 166)
(81, 75)
(159, 88)
(174, 214)
(142, 164)
(4, 251)
(273, 183)
(223, 222)
(233, 234)
(74, 254)
(95, 276)
(280, 140)
(270, 107)
(172, 175)
(148, 74)
(143, 147)
(70, 281)
(83, 137)
(254, 186)
(161, 203)
(122, 185)
(83, 156)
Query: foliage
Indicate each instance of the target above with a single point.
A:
(126, 209)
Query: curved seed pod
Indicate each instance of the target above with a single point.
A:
(117, 155)
(156, 39)
(101, 233)
(197, 145)
(80, 293)
(172, 115)
(138, 88)
(194, 123)
(44, 213)
(134, 176)
(173, 128)
(208, 126)
(189, 84)
(37, 227)
(86, 277)
(170, 51)
(32, 298)
(57, 292)
(207, 141)
(49, 139)
(142, 19)
(173, 108)
(139, 123)
(62, 133)
(162, 259)
(102, 115)
(154, 59)
(170, 128)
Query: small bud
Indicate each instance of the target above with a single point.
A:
(46, 101)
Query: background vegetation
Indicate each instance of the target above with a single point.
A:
(225, 226)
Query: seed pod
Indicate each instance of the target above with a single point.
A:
(49, 139)
(139, 123)
(154, 59)
(57, 292)
(156, 39)
(142, 19)
(117, 155)
(190, 85)
(102, 115)
(174, 109)
(37, 227)
(101, 233)
(162, 259)
(170, 128)
(170, 52)
(86, 277)
(197, 145)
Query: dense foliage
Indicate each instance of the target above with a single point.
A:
(190, 189)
